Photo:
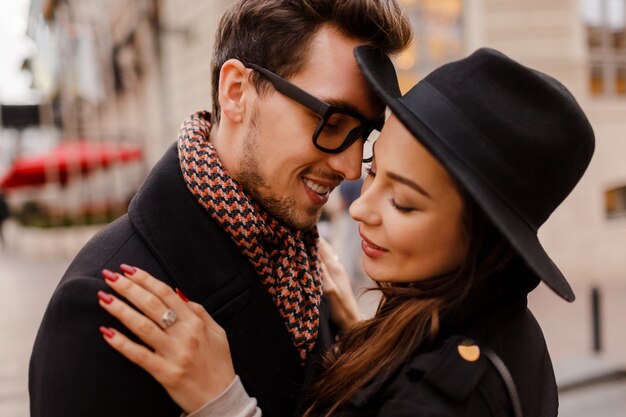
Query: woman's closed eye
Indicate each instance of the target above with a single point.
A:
(401, 208)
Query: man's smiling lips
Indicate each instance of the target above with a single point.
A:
(318, 191)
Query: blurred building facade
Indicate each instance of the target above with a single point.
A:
(134, 70)
(128, 71)
(587, 235)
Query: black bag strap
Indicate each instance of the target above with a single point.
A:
(507, 378)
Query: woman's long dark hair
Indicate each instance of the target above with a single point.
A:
(407, 318)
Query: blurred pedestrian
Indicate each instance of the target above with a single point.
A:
(4, 215)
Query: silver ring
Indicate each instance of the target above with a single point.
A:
(168, 318)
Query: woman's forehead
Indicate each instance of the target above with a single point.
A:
(400, 153)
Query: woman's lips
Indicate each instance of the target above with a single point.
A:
(369, 248)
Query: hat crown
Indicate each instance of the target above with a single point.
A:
(530, 140)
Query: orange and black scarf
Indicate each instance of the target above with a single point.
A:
(286, 260)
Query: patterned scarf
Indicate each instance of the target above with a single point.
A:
(286, 261)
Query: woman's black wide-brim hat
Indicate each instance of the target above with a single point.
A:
(513, 137)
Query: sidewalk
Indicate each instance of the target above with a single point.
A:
(31, 265)
(26, 284)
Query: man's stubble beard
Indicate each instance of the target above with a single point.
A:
(251, 178)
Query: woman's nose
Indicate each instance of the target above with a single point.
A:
(364, 208)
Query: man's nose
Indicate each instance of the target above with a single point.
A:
(349, 162)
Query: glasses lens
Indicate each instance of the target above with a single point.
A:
(337, 129)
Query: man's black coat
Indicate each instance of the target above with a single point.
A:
(73, 372)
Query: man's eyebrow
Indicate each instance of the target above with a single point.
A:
(408, 183)
(345, 105)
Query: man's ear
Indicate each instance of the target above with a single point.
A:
(233, 81)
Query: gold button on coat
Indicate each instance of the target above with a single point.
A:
(469, 352)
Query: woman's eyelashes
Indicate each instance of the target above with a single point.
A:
(369, 171)
(401, 209)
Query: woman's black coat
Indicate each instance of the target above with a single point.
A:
(438, 382)
(73, 372)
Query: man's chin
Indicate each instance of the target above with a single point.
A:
(303, 224)
(303, 221)
(288, 212)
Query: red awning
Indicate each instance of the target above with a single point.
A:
(66, 158)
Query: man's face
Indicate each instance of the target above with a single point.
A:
(279, 165)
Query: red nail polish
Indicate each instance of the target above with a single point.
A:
(105, 297)
(182, 296)
(109, 333)
(111, 276)
(128, 269)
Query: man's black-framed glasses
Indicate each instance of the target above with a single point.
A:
(338, 128)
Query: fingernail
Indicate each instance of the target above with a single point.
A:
(105, 297)
(128, 269)
(182, 296)
(111, 276)
(108, 333)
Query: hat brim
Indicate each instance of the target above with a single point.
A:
(379, 72)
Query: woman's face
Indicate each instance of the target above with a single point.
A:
(409, 212)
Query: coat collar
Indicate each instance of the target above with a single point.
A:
(187, 242)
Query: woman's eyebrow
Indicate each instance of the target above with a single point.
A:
(408, 183)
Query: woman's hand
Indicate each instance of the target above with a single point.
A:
(344, 310)
(191, 358)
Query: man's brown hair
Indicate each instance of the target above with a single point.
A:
(276, 34)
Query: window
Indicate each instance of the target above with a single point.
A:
(438, 26)
(606, 39)
(615, 202)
